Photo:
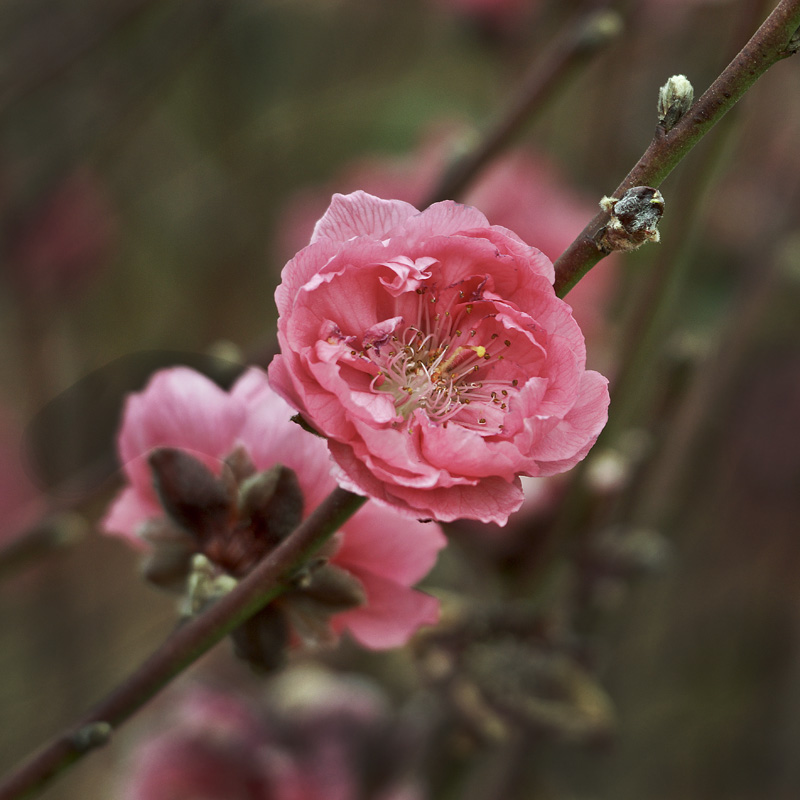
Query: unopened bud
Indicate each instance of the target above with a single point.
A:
(634, 219)
(675, 98)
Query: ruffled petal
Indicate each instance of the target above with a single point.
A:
(361, 214)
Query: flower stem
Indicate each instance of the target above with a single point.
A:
(183, 647)
(776, 39)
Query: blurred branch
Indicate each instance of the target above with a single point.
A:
(776, 39)
(56, 533)
(711, 384)
(184, 647)
(538, 86)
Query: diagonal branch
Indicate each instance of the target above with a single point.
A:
(777, 38)
(182, 648)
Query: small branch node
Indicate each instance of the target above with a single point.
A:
(91, 736)
(634, 219)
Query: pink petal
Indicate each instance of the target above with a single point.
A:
(571, 440)
(270, 437)
(386, 544)
(392, 615)
(179, 408)
(300, 270)
(127, 513)
(361, 214)
(488, 500)
(443, 219)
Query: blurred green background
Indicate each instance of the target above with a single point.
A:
(148, 152)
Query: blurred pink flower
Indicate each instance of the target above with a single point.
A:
(21, 503)
(182, 409)
(432, 352)
(215, 749)
(65, 239)
(221, 746)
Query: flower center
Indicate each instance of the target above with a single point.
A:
(448, 363)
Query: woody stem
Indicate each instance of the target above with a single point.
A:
(183, 648)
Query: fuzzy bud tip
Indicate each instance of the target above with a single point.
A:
(675, 98)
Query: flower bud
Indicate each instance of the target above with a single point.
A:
(675, 98)
(634, 219)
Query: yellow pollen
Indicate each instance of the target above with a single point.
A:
(479, 350)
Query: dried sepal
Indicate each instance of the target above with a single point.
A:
(169, 560)
(263, 640)
(193, 497)
(333, 588)
(271, 504)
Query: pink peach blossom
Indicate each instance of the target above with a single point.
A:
(431, 351)
(182, 409)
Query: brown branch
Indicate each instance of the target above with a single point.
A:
(776, 39)
(182, 648)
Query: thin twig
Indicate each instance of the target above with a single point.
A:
(183, 647)
(776, 39)
(538, 86)
(54, 533)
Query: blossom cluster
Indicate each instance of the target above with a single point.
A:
(382, 552)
